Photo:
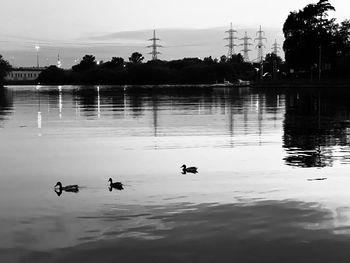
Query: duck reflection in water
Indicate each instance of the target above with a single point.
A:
(69, 188)
(116, 185)
(192, 170)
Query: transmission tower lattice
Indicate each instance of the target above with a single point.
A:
(276, 48)
(59, 64)
(231, 41)
(154, 46)
(246, 45)
(260, 46)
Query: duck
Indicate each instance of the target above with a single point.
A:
(186, 169)
(317, 179)
(68, 188)
(116, 185)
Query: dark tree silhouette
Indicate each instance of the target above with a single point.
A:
(322, 7)
(5, 67)
(238, 59)
(223, 59)
(305, 31)
(273, 65)
(53, 75)
(88, 62)
(116, 62)
(183, 71)
(136, 58)
(209, 60)
(273, 58)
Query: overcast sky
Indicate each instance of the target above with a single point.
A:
(56, 23)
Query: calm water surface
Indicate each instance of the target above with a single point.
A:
(258, 196)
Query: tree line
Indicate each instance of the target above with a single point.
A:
(135, 71)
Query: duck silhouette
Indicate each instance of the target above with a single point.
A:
(116, 185)
(69, 188)
(186, 169)
(58, 192)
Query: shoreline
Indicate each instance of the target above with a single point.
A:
(336, 83)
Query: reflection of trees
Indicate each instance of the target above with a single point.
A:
(117, 99)
(253, 109)
(87, 99)
(6, 103)
(142, 98)
(184, 98)
(313, 158)
(315, 120)
(136, 98)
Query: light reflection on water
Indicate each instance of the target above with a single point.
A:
(251, 147)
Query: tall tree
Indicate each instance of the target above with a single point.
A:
(305, 32)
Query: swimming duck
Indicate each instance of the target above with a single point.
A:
(317, 179)
(58, 192)
(189, 169)
(68, 188)
(116, 185)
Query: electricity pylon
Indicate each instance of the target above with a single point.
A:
(154, 46)
(276, 48)
(260, 46)
(59, 64)
(246, 45)
(231, 42)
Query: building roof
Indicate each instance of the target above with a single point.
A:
(28, 69)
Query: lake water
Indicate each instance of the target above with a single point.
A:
(273, 182)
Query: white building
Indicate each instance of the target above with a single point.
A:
(24, 74)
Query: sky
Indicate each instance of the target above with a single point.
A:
(109, 28)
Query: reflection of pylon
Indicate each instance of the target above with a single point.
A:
(246, 45)
(231, 41)
(260, 46)
(276, 48)
(154, 46)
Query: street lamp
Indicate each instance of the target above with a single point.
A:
(37, 55)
